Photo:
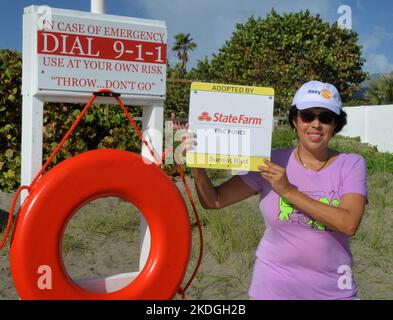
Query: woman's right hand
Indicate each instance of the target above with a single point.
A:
(188, 142)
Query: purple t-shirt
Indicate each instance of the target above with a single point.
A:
(298, 257)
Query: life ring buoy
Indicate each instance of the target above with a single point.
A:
(78, 180)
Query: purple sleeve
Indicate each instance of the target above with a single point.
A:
(253, 179)
(355, 180)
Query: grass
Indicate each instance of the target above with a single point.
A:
(123, 219)
(72, 243)
(106, 223)
(225, 232)
(375, 229)
(102, 237)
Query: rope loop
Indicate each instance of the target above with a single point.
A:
(109, 93)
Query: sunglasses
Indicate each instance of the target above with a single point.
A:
(324, 117)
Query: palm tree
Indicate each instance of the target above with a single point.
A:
(183, 43)
(380, 91)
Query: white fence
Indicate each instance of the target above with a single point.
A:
(373, 124)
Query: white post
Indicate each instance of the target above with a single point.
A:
(32, 112)
(32, 119)
(152, 118)
(152, 128)
(97, 6)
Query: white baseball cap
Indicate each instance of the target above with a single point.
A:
(314, 94)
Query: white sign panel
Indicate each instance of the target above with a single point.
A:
(233, 126)
(84, 52)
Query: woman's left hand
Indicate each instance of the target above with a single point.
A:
(276, 176)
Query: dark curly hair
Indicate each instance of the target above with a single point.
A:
(340, 120)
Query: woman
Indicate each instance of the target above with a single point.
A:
(312, 201)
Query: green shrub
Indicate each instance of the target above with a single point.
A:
(10, 118)
(376, 161)
(283, 137)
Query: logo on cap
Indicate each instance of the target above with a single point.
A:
(326, 94)
(205, 117)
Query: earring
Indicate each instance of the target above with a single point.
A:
(294, 130)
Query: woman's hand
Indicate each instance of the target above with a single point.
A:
(276, 176)
(188, 142)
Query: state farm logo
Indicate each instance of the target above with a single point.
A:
(205, 117)
(230, 118)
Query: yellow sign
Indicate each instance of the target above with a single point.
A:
(233, 125)
(227, 88)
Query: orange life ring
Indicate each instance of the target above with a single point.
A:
(73, 183)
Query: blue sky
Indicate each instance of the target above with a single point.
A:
(211, 22)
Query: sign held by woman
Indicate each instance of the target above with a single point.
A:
(233, 125)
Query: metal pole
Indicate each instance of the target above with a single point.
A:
(97, 6)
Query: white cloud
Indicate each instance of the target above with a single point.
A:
(211, 22)
(370, 43)
(373, 41)
(378, 63)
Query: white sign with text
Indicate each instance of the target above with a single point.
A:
(233, 125)
(84, 52)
